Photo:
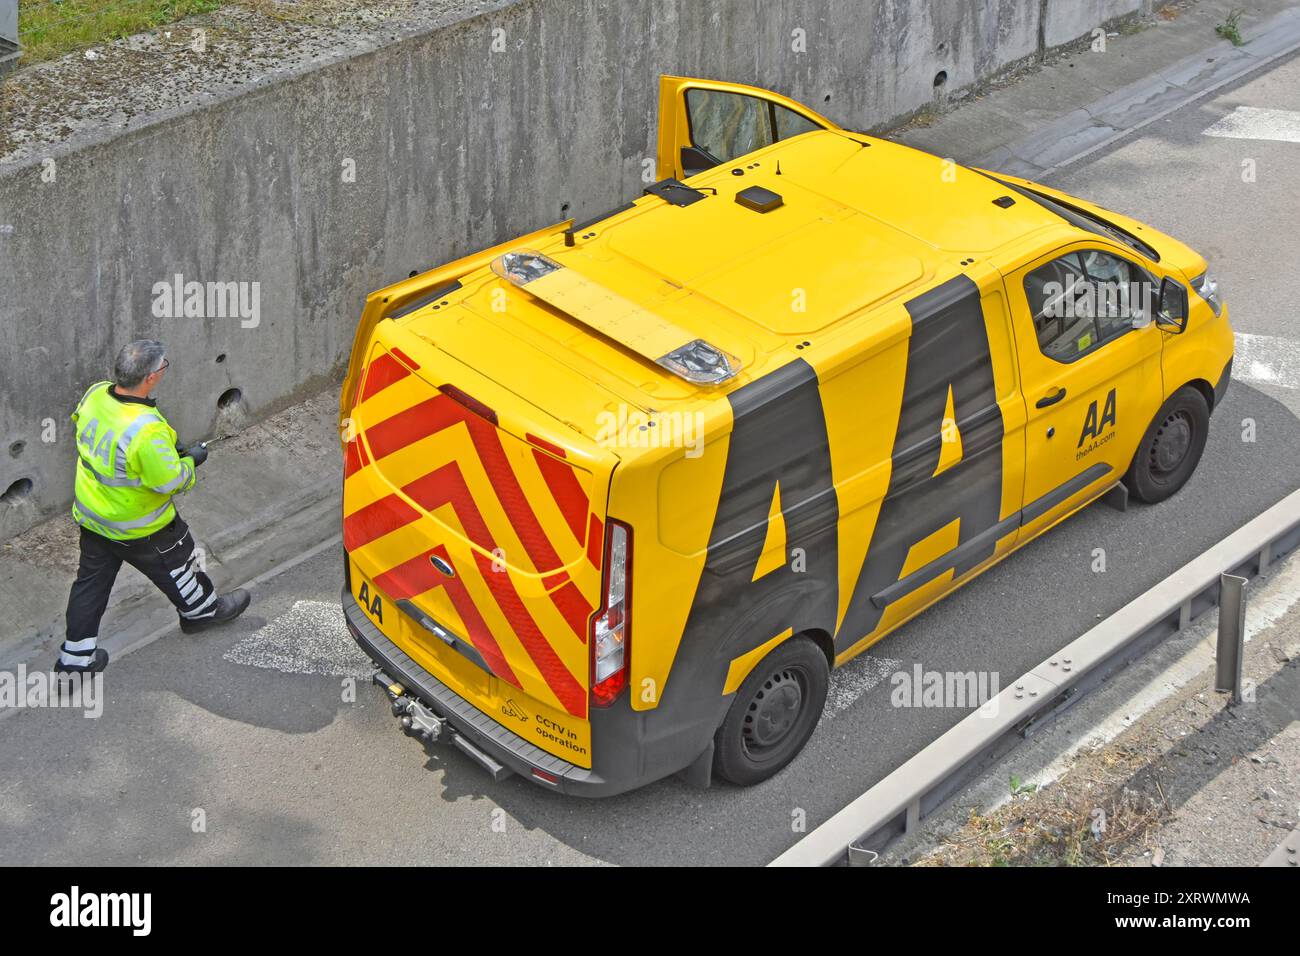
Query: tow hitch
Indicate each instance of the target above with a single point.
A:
(418, 720)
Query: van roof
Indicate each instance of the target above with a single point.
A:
(861, 222)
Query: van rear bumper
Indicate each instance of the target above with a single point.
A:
(477, 727)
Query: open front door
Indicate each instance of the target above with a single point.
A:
(703, 123)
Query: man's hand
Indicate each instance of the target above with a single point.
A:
(198, 451)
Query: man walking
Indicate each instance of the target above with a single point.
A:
(129, 468)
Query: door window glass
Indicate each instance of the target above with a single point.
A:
(1117, 287)
(727, 125)
(789, 123)
(1081, 300)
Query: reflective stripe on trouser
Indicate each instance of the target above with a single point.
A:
(167, 558)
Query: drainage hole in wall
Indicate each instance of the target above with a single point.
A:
(230, 398)
(16, 492)
(940, 79)
(221, 358)
(16, 448)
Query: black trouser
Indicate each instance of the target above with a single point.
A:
(165, 557)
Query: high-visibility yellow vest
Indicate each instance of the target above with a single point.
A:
(128, 468)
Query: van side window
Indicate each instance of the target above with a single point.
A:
(727, 125)
(1081, 300)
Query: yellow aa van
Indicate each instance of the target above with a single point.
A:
(619, 494)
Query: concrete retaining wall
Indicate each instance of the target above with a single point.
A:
(454, 147)
(8, 35)
(9, 20)
(1067, 20)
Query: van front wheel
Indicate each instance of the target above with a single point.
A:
(774, 713)
(1171, 448)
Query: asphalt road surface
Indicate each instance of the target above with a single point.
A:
(241, 747)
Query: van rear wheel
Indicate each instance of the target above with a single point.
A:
(1171, 447)
(774, 713)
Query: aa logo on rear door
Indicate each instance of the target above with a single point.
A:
(374, 606)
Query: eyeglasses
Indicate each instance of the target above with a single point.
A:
(165, 363)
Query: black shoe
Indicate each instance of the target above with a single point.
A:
(228, 607)
(97, 664)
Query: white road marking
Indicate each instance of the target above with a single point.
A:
(1267, 360)
(854, 679)
(1252, 122)
(310, 638)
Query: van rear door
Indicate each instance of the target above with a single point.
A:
(481, 519)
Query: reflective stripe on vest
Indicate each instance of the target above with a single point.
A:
(131, 525)
(124, 442)
(111, 480)
(176, 482)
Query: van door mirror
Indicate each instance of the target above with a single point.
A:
(1171, 313)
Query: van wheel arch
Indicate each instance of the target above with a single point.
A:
(1202, 386)
(823, 641)
(796, 602)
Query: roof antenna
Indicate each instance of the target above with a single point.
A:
(778, 167)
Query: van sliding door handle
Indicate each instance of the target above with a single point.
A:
(1051, 399)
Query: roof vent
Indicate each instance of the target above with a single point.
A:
(759, 199)
(1004, 201)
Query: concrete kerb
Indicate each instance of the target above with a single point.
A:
(896, 804)
(1130, 108)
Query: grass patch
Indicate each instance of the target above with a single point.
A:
(50, 28)
(1098, 815)
(1230, 28)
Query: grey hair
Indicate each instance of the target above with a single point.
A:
(137, 361)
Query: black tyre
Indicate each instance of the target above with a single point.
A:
(774, 713)
(1171, 448)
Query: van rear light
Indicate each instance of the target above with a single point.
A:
(612, 627)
